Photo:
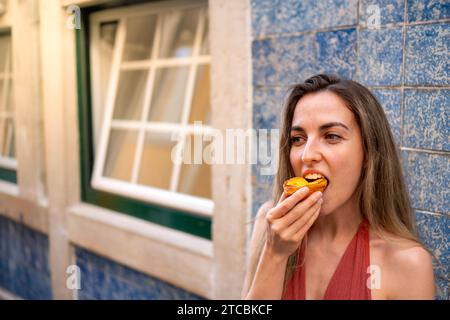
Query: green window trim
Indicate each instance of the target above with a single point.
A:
(175, 219)
(8, 175)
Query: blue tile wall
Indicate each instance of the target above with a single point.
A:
(426, 10)
(380, 56)
(336, 54)
(390, 99)
(103, 279)
(426, 119)
(428, 54)
(433, 231)
(427, 177)
(268, 103)
(263, 187)
(391, 11)
(24, 267)
(289, 16)
(264, 56)
(302, 56)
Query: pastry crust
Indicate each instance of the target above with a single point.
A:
(293, 184)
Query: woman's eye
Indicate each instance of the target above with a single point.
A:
(333, 137)
(296, 139)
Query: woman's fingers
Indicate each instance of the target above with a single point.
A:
(292, 213)
(301, 208)
(283, 196)
(304, 219)
(303, 229)
(286, 204)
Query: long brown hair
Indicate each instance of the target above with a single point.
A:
(382, 194)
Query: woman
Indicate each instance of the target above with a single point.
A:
(356, 240)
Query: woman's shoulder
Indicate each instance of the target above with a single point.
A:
(398, 249)
(406, 266)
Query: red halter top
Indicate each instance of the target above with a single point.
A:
(349, 281)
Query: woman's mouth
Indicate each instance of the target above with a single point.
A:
(311, 177)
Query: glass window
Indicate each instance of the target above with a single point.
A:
(7, 131)
(150, 74)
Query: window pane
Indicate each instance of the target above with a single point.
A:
(139, 39)
(130, 95)
(156, 164)
(2, 136)
(205, 40)
(200, 109)
(10, 139)
(7, 138)
(195, 179)
(2, 95)
(9, 96)
(7, 143)
(5, 53)
(108, 32)
(105, 50)
(178, 33)
(120, 154)
(168, 94)
(6, 95)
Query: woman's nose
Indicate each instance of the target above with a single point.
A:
(311, 152)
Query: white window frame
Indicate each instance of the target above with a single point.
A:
(171, 197)
(7, 162)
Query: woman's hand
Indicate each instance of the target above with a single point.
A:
(290, 219)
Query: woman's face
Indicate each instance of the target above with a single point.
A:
(326, 138)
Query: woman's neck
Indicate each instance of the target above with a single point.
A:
(340, 225)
